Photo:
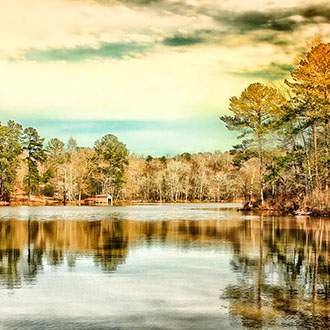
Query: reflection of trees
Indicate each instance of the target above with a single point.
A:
(285, 282)
(26, 246)
(9, 267)
(112, 250)
(282, 264)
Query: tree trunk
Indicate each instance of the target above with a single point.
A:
(160, 195)
(29, 188)
(1, 189)
(261, 170)
(316, 167)
(309, 171)
(251, 190)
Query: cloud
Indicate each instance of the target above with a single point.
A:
(60, 24)
(271, 37)
(273, 71)
(314, 11)
(114, 50)
(75, 28)
(182, 40)
(279, 19)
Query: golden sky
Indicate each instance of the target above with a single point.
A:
(145, 60)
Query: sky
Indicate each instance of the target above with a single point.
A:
(156, 73)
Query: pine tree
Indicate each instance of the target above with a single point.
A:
(112, 158)
(310, 107)
(10, 150)
(253, 113)
(35, 154)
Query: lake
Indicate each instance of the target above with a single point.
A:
(184, 266)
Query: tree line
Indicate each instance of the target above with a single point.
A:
(69, 172)
(282, 160)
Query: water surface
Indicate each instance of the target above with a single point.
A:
(191, 266)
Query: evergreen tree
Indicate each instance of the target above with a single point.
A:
(112, 158)
(35, 154)
(10, 150)
(253, 113)
(309, 110)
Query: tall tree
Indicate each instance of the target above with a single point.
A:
(55, 153)
(10, 150)
(35, 154)
(71, 145)
(111, 158)
(55, 150)
(253, 113)
(310, 105)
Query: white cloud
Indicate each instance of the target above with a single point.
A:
(60, 23)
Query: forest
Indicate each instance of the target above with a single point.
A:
(281, 163)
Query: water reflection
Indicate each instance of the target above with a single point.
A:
(287, 281)
(280, 266)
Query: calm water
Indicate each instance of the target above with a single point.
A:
(162, 267)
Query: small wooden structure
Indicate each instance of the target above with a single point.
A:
(103, 200)
(100, 200)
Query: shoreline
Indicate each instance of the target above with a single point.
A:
(115, 203)
(35, 202)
